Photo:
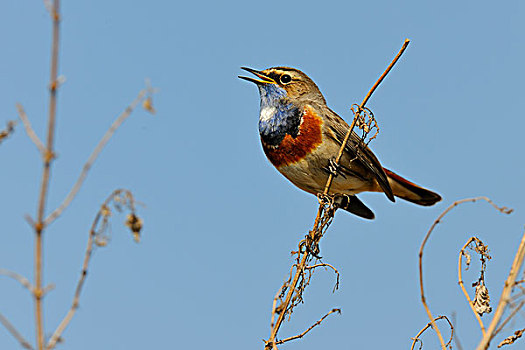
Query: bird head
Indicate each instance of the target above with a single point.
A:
(284, 83)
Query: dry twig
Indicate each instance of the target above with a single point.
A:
(143, 96)
(309, 329)
(47, 158)
(483, 257)
(15, 333)
(19, 278)
(120, 199)
(29, 130)
(504, 210)
(416, 338)
(309, 247)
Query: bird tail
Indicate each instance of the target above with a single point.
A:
(411, 192)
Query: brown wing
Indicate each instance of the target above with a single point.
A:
(359, 151)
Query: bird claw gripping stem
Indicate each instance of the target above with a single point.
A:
(334, 168)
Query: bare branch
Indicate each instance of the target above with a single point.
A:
(309, 329)
(504, 210)
(330, 266)
(416, 338)
(15, 333)
(120, 198)
(460, 281)
(29, 129)
(19, 278)
(511, 315)
(47, 158)
(100, 146)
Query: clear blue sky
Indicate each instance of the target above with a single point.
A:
(219, 220)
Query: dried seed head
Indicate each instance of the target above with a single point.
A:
(468, 259)
(481, 301)
(512, 338)
(135, 225)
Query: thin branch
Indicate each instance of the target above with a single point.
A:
(103, 214)
(322, 220)
(15, 333)
(416, 338)
(330, 266)
(503, 210)
(48, 157)
(100, 146)
(29, 129)
(367, 97)
(309, 329)
(512, 314)
(19, 278)
(460, 281)
(505, 296)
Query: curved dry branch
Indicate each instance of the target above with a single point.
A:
(416, 338)
(29, 130)
(309, 329)
(120, 198)
(19, 278)
(460, 281)
(503, 210)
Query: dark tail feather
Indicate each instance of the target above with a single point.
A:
(354, 206)
(411, 192)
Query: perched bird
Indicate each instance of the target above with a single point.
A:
(301, 137)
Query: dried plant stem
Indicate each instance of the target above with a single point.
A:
(44, 187)
(416, 338)
(512, 314)
(100, 146)
(29, 129)
(309, 329)
(4, 321)
(300, 267)
(427, 236)
(505, 296)
(367, 97)
(85, 265)
(460, 281)
(19, 278)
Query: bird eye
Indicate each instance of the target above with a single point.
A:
(285, 78)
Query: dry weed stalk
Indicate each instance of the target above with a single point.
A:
(41, 222)
(480, 300)
(120, 200)
(416, 338)
(292, 289)
(504, 210)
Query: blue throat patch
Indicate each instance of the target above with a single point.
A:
(285, 117)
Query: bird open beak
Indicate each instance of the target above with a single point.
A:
(264, 79)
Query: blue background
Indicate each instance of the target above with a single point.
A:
(219, 219)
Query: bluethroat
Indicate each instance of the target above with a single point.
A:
(301, 136)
